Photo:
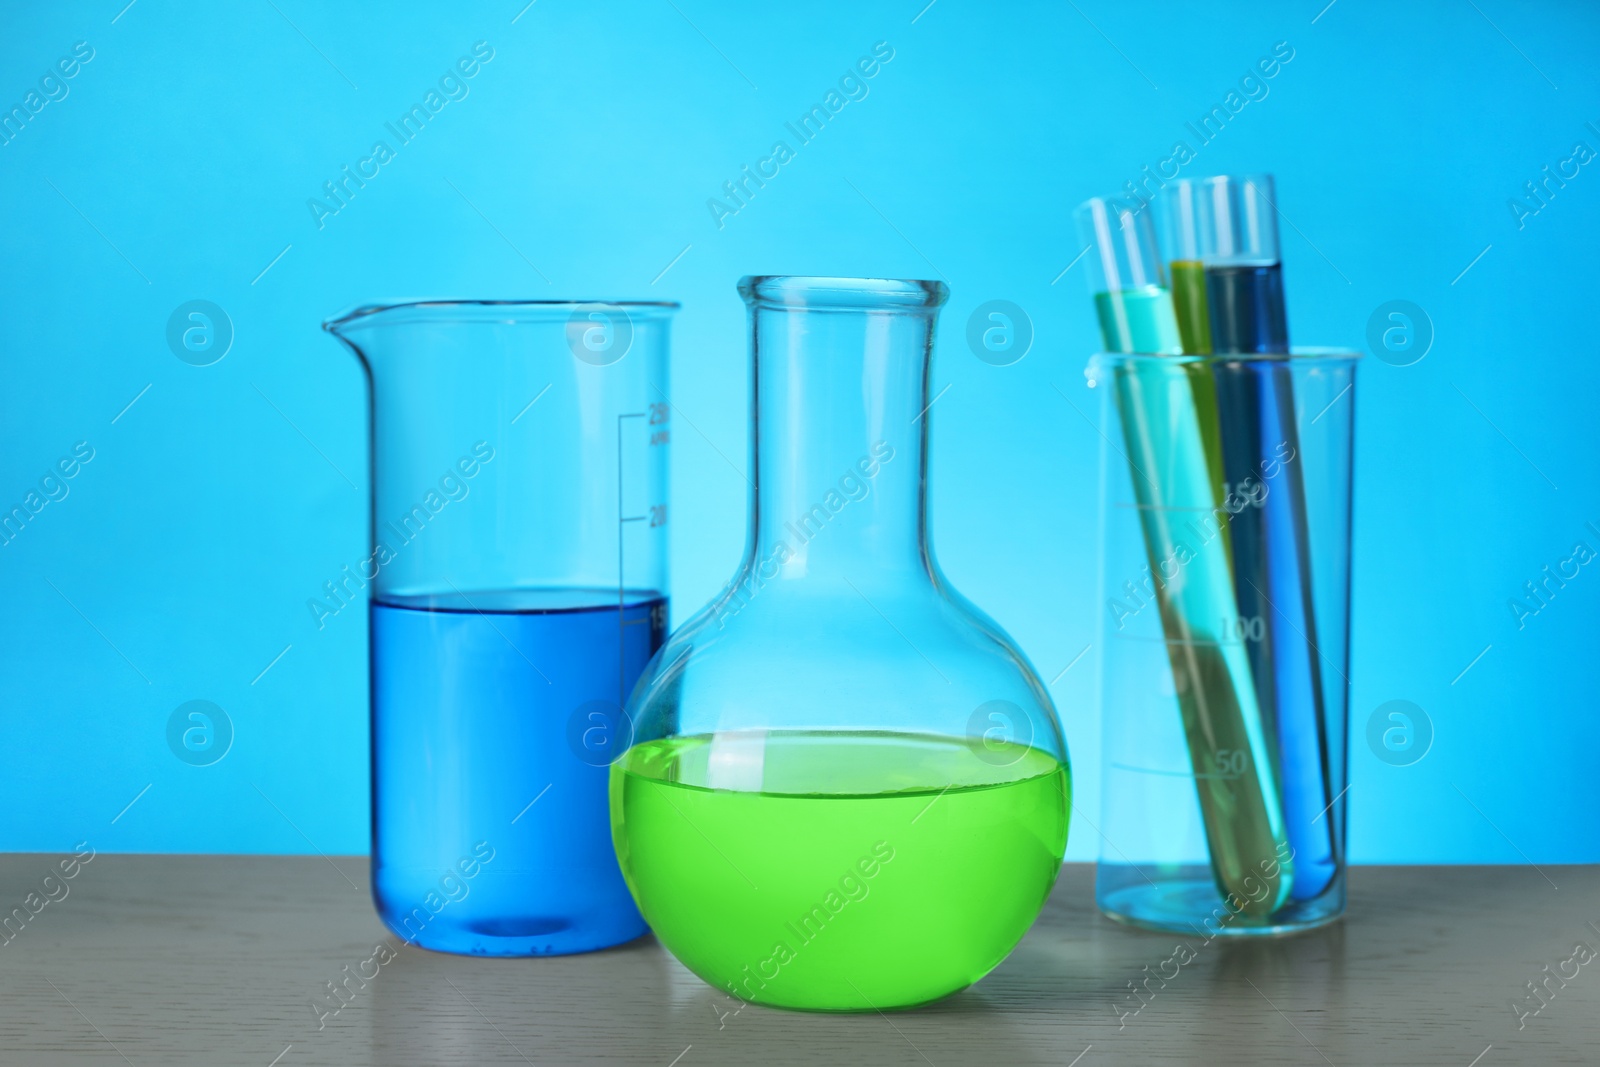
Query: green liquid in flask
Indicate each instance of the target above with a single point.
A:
(839, 871)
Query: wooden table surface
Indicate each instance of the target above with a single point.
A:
(216, 960)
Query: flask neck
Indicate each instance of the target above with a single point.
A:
(840, 443)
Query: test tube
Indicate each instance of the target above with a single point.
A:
(1236, 223)
(1231, 221)
(1181, 239)
(1166, 425)
(1127, 279)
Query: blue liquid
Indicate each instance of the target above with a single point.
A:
(1299, 715)
(1272, 553)
(495, 716)
(1247, 308)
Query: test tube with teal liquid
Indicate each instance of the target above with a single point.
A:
(1229, 224)
(1170, 431)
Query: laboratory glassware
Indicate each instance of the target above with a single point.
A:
(1158, 865)
(1171, 444)
(516, 567)
(848, 788)
(1230, 223)
(1180, 240)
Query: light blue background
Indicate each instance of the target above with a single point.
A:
(218, 503)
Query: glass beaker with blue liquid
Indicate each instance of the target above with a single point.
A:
(517, 575)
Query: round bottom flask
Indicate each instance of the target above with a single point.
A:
(847, 790)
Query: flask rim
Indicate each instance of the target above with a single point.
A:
(842, 294)
(504, 312)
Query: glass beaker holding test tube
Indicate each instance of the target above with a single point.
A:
(517, 575)
(1225, 565)
(1222, 807)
